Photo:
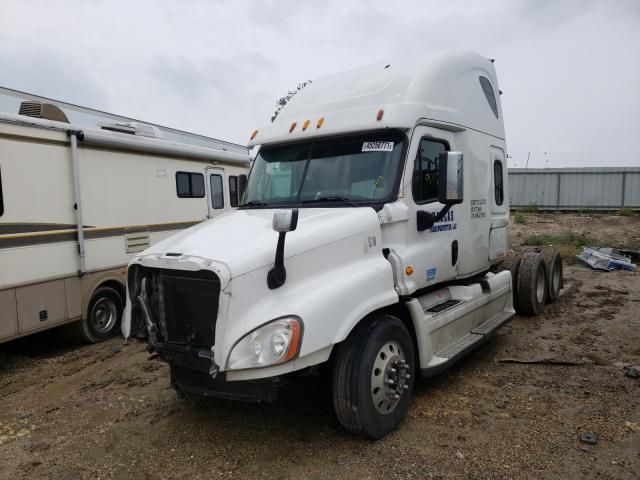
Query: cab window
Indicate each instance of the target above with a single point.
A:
(425, 171)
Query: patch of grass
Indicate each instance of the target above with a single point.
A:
(625, 212)
(533, 208)
(519, 218)
(568, 243)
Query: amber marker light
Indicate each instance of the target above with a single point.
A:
(295, 342)
(305, 125)
(320, 122)
(408, 271)
(253, 134)
(292, 127)
(380, 115)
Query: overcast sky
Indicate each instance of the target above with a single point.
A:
(569, 69)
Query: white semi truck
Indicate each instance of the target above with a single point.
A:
(367, 242)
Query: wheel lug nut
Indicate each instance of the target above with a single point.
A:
(388, 381)
(405, 387)
(392, 370)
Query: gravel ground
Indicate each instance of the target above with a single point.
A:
(106, 411)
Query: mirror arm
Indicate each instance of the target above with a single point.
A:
(426, 220)
(278, 274)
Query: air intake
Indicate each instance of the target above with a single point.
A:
(47, 111)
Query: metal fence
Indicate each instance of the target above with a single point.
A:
(606, 188)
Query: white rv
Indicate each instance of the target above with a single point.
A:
(367, 243)
(77, 203)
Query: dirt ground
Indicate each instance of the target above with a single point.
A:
(105, 411)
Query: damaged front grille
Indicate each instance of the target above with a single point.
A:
(182, 306)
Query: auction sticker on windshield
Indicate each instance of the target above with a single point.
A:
(377, 147)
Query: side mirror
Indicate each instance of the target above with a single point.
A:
(450, 178)
(285, 220)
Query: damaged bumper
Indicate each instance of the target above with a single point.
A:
(191, 372)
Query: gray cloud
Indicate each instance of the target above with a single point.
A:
(569, 69)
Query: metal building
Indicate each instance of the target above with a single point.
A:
(601, 188)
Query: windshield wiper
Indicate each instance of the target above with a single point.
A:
(332, 199)
(254, 203)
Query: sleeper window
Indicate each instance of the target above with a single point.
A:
(498, 182)
(217, 198)
(489, 94)
(190, 185)
(425, 171)
(233, 191)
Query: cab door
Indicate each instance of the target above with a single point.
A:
(217, 201)
(433, 252)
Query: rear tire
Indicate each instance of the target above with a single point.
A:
(515, 266)
(373, 377)
(104, 315)
(532, 284)
(555, 275)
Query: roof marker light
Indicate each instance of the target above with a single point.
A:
(320, 122)
(291, 128)
(253, 134)
(305, 125)
(380, 114)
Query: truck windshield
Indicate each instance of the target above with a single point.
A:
(349, 170)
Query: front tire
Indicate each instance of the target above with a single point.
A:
(373, 377)
(103, 316)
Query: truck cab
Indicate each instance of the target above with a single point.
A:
(372, 217)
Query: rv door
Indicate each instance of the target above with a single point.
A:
(216, 201)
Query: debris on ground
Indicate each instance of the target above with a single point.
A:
(590, 439)
(633, 426)
(545, 361)
(605, 259)
(633, 372)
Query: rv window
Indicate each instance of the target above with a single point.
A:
(217, 199)
(190, 185)
(1, 201)
(233, 191)
(489, 94)
(425, 171)
(498, 182)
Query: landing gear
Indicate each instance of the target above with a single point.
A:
(373, 377)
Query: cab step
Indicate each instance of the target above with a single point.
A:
(460, 345)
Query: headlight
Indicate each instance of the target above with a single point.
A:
(271, 344)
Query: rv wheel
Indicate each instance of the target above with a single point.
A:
(373, 377)
(103, 315)
(532, 284)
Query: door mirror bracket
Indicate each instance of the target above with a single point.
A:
(283, 221)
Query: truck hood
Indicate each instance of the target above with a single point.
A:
(244, 240)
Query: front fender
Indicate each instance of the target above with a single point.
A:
(330, 288)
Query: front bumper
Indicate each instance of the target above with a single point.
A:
(191, 372)
(188, 380)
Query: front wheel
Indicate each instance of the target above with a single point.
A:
(373, 377)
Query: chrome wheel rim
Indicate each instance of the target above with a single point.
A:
(389, 377)
(103, 315)
(540, 285)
